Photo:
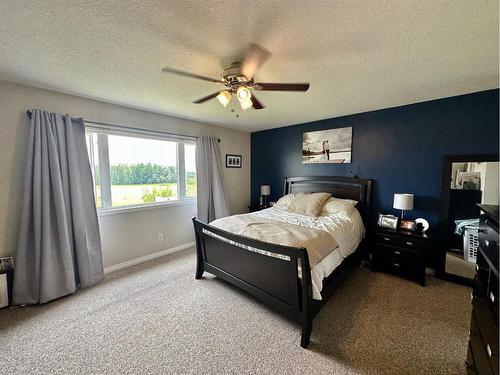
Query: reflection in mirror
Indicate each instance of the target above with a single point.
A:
(471, 183)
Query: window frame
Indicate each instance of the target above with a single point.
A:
(102, 154)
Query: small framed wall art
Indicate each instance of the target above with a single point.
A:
(387, 221)
(233, 161)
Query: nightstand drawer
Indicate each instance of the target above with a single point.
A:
(401, 267)
(398, 253)
(408, 243)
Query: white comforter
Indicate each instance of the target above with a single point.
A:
(347, 230)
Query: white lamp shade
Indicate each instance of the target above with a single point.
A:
(265, 190)
(403, 201)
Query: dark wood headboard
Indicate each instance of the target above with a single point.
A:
(340, 187)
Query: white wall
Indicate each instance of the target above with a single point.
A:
(491, 182)
(481, 168)
(489, 172)
(125, 236)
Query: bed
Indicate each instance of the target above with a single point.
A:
(282, 276)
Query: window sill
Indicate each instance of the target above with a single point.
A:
(144, 207)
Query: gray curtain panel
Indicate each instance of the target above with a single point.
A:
(212, 199)
(59, 247)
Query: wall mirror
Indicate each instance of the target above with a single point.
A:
(467, 180)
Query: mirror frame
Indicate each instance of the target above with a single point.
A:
(448, 160)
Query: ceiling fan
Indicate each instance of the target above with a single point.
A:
(238, 80)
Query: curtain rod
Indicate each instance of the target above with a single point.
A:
(29, 114)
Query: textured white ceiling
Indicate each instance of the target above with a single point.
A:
(357, 55)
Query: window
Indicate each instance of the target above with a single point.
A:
(136, 170)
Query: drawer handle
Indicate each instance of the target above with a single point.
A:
(477, 267)
(396, 264)
(387, 239)
(409, 243)
(471, 296)
(492, 297)
(397, 252)
(488, 350)
(487, 243)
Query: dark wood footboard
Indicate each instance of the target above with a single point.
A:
(274, 278)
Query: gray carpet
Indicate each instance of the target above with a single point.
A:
(155, 318)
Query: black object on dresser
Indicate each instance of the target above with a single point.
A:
(399, 252)
(482, 356)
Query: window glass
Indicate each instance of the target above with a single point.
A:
(142, 170)
(139, 171)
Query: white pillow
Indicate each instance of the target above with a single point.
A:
(336, 206)
(308, 203)
(284, 201)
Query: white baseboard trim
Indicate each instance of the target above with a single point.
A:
(145, 258)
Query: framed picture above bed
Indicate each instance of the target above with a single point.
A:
(327, 146)
(233, 161)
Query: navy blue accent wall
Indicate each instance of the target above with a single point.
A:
(400, 148)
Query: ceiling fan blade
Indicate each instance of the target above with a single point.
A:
(256, 103)
(205, 98)
(281, 86)
(254, 58)
(191, 75)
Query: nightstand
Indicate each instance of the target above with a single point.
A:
(402, 253)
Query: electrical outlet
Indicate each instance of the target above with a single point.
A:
(160, 237)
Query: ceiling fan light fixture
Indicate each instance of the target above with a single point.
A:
(224, 97)
(238, 79)
(243, 93)
(246, 104)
